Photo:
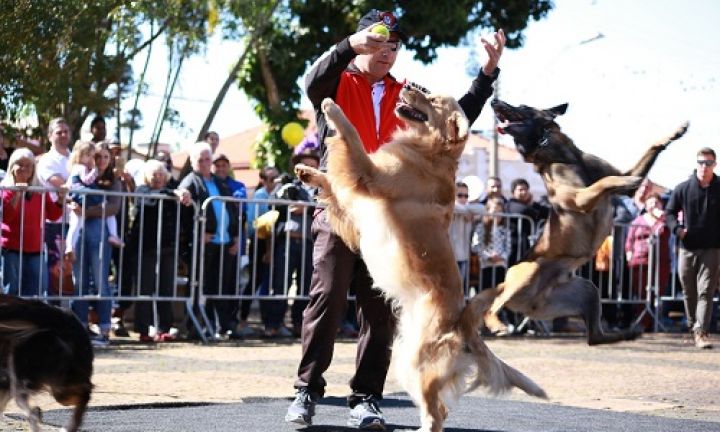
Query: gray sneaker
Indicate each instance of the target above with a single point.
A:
(302, 409)
(367, 415)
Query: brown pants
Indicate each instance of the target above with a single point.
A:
(336, 270)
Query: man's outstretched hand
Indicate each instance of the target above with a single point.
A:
(494, 51)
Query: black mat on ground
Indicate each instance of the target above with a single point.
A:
(474, 414)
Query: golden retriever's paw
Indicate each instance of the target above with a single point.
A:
(333, 113)
(329, 106)
(310, 175)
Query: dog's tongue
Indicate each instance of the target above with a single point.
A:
(501, 125)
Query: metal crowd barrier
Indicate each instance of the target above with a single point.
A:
(620, 286)
(276, 270)
(513, 225)
(275, 260)
(635, 290)
(274, 263)
(64, 285)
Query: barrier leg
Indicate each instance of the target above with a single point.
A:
(209, 324)
(539, 325)
(196, 323)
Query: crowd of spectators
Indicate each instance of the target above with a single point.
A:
(256, 244)
(153, 243)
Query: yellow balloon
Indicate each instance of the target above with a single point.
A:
(292, 133)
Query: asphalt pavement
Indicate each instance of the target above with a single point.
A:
(476, 414)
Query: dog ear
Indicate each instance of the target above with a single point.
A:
(558, 110)
(457, 127)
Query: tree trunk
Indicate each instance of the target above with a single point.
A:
(269, 79)
(152, 149)
(232, 76)
(187, 167)
(139, 90)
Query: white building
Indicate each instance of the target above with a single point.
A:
(474, 167)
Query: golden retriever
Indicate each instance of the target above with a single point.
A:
(394, 206)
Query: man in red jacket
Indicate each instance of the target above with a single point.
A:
(356, 75)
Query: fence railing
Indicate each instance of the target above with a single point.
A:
(82, 274)
(268, 259)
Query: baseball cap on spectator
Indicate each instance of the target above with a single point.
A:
(219, 157)
(114, 147)
(305, 154)
(387, 18)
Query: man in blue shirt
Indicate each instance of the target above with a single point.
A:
(221, 237)
(222, 169)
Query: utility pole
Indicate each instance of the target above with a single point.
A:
(494, 166)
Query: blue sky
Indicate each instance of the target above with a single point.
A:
(655, 66)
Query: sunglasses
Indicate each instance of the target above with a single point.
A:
(462, 195)
(706, 162)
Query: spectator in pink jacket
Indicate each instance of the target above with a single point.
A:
(647, 231)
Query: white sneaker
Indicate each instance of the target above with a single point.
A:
(367, 415)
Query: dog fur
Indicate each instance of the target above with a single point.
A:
(395, 206)
(43, 347)
(579, 187)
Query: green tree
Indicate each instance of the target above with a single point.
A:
(301, 31)
(71, 58)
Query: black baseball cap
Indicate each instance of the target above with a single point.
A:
(387, 18)
(219, 157)
(306, 153)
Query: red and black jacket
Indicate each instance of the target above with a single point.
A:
(333, 75)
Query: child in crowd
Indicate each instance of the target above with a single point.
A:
(491, 241)
(83, 175)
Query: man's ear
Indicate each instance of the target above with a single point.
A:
(457, 127)
(558, 110)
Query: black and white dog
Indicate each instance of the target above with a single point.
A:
(43, 347)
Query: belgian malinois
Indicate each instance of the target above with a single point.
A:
(579, 187)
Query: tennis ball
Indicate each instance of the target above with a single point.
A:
(381, 30)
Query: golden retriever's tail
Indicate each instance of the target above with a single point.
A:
(492, 372)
